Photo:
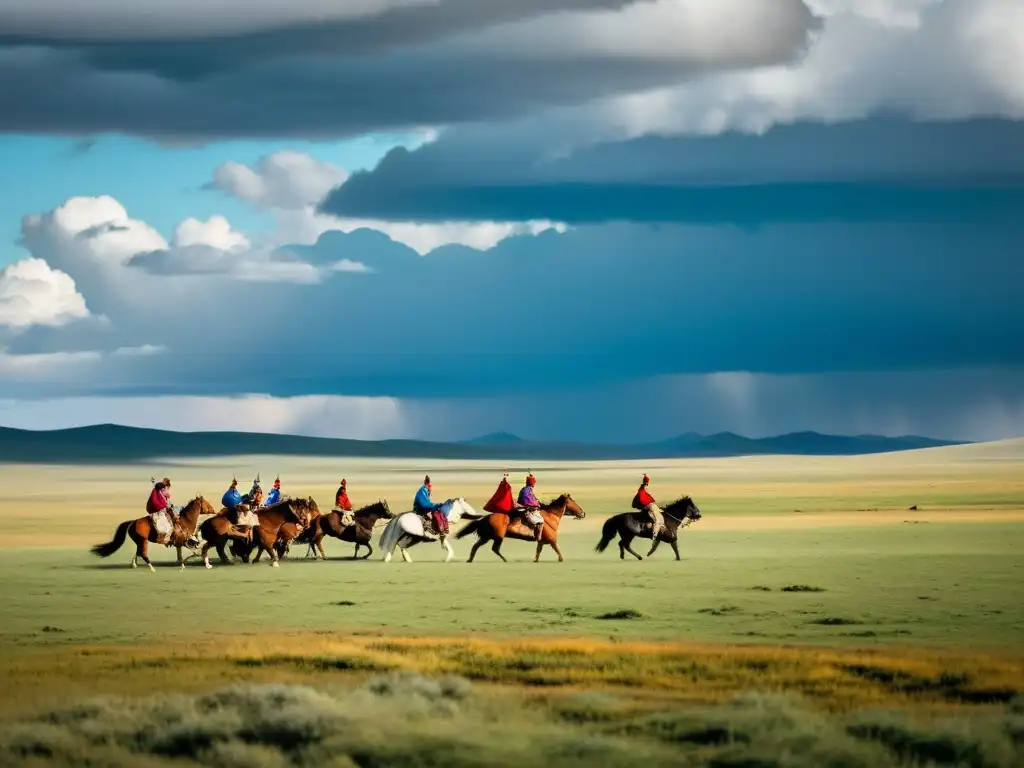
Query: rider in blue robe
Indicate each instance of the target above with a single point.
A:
(424, 506)
(231, 498)
(275, 494)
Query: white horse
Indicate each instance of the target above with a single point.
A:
(406, 530)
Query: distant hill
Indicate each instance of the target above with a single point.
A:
(494, 438)
(106, 443)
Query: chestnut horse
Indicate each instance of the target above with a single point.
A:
(142, 531)
(219, 531)
(497, 527)
(629, 525)
(331, 525)
(288, 532)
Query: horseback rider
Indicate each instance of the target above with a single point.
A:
(231, 498)
(422, 505)
(275, 494)
(343, 504)
(645, 503)
(527, 502)
(161, 512)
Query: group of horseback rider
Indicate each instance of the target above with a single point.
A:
(241, 507)
(527, 508)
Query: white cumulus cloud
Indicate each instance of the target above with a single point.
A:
(215, 232)
(31, 293)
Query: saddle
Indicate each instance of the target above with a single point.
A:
(429, 524)
(244, 516)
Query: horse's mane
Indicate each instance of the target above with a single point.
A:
(681, 501)
(198, 500)
(378, 503)
(558, 500)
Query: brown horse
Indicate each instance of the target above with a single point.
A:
(331, 525)
(629, 525)
(498, 526)
(142, 531)
(219, 531)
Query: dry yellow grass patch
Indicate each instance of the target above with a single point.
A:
(834, 679)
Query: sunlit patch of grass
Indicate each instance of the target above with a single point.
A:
(832, 679)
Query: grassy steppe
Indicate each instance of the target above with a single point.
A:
(810, 591)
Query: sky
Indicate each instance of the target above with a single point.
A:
(598, 220)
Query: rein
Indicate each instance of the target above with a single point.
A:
(683, 523)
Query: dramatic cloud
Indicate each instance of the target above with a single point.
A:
(229, 70)
(31, 293)
(928, 59)
(589, 307)
(880, 169)
(289, 185)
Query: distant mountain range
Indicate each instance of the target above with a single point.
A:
(106, 443)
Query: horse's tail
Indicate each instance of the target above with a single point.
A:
(471, 527)
(390, 535)
(106, 550)
(607, 534)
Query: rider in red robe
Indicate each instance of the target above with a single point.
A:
(341, 500)
(344, 504)
(159, 503)
(646, 503)
(501, 501)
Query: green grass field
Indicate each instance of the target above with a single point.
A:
(809, 581)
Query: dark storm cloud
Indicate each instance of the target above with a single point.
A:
(870, 170)
(592, 306)
(450, 61)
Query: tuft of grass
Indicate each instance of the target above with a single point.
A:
(835, 622)
(343, 603)
(622, 615)
(802, 588)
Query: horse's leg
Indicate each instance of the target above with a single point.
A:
(675, 547)
(181, 561)
(144, 552)
(267, 543)
(356, 552)
(369, 547)
(448, 547)
(496, 549)
(625, 544)
(554, 546)
(405, 554)
(654, 546)
(540, 546)
(476, 545)
(223, 554)
(138, 549)
(206, 554)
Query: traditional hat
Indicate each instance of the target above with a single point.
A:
(277, 483)
(646, 479)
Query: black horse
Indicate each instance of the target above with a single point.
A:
(631, 525)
